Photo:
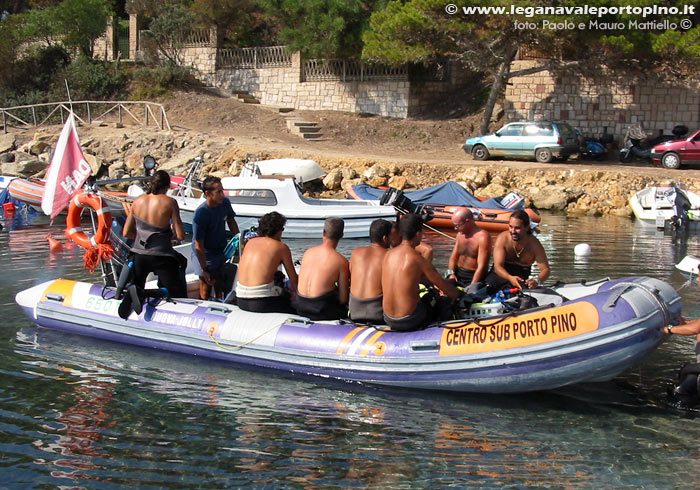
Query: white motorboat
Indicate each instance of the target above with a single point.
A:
(252, 197)
(661, 205)
(690, 267)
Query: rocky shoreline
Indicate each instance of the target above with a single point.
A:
(115, 152)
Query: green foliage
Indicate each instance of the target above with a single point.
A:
(33, 73)
(153, 82)
(40, 24)
(82, 22)
(169, 28)
(322, 28)
(88, 79)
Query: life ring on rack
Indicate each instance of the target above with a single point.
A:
(104, 220)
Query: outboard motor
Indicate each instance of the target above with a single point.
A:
(681, 206)
(395, 197)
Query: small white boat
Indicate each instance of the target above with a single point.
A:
(661, 205)
(690, 267)
(252, 197)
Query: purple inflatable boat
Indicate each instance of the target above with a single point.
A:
(579, 333)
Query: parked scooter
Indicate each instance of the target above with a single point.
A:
(635, 145)
(593, 148)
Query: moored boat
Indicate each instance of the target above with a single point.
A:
(584, 332)
(252, 197)
(27, 191)
(660, 206)
(444, 199)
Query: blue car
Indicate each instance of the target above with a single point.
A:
(542, 140)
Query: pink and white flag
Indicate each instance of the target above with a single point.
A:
(67, 173)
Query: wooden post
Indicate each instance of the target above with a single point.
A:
(89, 117)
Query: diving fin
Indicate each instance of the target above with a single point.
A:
(124, 278)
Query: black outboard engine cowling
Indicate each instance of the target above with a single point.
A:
(395, 197)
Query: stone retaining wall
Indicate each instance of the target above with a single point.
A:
(596, 105)
(283, 87)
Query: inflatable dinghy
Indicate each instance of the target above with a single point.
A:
(578, 333)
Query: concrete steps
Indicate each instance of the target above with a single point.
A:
(245, 97)
(309, 130)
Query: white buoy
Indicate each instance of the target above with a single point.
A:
(582, 250)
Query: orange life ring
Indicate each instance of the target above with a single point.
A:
(104, 220)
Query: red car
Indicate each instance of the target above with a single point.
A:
(672, 154)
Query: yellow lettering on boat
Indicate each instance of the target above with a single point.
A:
(520, 331)
(64, 287)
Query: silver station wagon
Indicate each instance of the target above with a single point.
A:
(542, 140)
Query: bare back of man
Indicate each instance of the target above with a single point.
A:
(321, 268)
(402, 270)
(159, 210)
(366, 271)
(260, 260)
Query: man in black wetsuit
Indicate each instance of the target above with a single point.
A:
(149, 223)
(514, 253)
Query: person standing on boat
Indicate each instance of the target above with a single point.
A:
(402, 270)
(258, 288)
(366, 275)
(324, 277)
(150, 223)
(514, 253)
(470, 257)
(209, 239)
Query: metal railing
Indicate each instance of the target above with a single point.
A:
(35, 115)
(345, 70)
(264, 57)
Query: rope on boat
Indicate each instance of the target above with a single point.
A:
(240, 346)
(430, 227)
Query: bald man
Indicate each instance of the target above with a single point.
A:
(470, 257)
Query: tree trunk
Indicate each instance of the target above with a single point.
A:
(498, 82)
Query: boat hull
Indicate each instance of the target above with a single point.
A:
(592, 338)
(28, 191)
(488, 219)
(251, 198)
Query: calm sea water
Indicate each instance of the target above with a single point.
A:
(80, 413)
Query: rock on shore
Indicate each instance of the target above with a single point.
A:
(119, 153)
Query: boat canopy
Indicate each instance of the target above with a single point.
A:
(447, 194)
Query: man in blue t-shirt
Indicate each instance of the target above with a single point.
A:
(209, 237)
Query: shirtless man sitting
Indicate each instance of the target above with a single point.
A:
(514, 253)
(324, 277)
(402, 270)
(366, 275)
(262, 255)
(469, 261)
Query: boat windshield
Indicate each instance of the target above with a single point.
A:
(261, 197)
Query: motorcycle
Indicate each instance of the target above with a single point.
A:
(593, 148)
(635, 145)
